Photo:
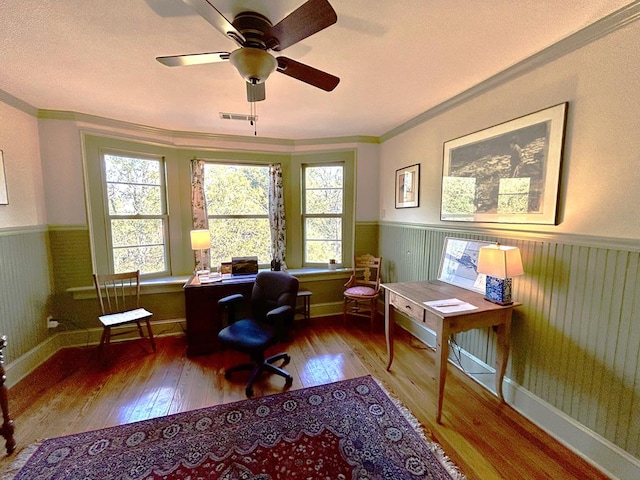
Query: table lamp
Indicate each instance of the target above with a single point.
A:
(499, 263)
(200, 240)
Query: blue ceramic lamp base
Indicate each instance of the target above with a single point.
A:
(498, 290)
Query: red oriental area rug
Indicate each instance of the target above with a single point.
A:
(350, 429)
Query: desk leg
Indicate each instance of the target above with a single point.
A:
(388, 328)
(442, 357)
(503, 331)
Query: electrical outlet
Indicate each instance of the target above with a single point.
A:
(51, 323)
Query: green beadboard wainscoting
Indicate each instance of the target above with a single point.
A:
(73, 304)
(575, 340)
(25, 288)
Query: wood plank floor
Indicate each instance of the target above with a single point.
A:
(73, 393)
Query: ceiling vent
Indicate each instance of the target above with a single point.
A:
(238, 116)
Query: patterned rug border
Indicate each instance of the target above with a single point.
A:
(23, 455)
(420, 429)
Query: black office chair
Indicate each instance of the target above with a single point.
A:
(273, 304)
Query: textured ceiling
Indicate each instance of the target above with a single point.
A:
(396, 59)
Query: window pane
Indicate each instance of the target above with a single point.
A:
(236, 189)
(322, 252)
(142, 232)
(146, 259)
(323, 240)
(323, 208)
(133, 199)
(323, 189)
(323, 201)
(324, 177)
(239, 238)
(132, 170)
(134, 189)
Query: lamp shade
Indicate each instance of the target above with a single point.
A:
(200, 239)
(500, 261)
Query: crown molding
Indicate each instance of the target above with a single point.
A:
(15, 102)
(147, 130)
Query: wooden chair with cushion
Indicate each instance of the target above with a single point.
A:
(119, 296)
(273, 305)
(363, 288)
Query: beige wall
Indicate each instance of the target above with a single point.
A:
(20, 143)
(601, 172)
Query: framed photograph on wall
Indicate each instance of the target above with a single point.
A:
(4, 197)
(408, 186)
(459, 263)
(509, 173)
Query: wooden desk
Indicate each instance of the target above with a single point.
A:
(409, 298)
(204, 318)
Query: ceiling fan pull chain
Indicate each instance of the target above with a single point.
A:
(254, 117)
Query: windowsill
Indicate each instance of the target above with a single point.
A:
(174, 284)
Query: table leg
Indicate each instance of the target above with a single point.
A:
(7, 428)
(388, 328)
(442, 357)
(503, 331)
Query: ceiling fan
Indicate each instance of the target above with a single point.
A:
(256, 35)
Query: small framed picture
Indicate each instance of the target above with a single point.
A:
(408, 186)
(4, 198)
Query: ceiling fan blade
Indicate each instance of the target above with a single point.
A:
(256, 92)
(309, 18)
(307, 74)
(193, 59)
(212, 15)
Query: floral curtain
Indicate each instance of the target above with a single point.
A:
(198, 206)
(276, 215)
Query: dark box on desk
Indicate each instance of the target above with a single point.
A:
(244, 265)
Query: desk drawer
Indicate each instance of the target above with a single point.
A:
(407, 307)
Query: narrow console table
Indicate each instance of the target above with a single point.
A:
(7, 424)
(409, 298)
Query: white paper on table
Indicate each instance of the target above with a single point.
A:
(450, 305)
(209, 278)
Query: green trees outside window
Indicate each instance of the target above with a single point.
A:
(237, 199)
(136, 213)
(323, 213)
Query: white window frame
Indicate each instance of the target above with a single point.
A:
(305, 215)
(236, 215)
(164, 217)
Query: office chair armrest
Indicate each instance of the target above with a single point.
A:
(278, 317)
(230, 300)
(282, 311)
(229, 304)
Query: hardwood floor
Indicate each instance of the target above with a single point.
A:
(72, 393)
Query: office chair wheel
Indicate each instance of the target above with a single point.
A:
(248, 392)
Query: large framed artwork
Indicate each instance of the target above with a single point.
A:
(459, 263)
(408, 186)
(4, 197)
(509, 173)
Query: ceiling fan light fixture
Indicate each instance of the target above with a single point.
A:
(253, 64)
